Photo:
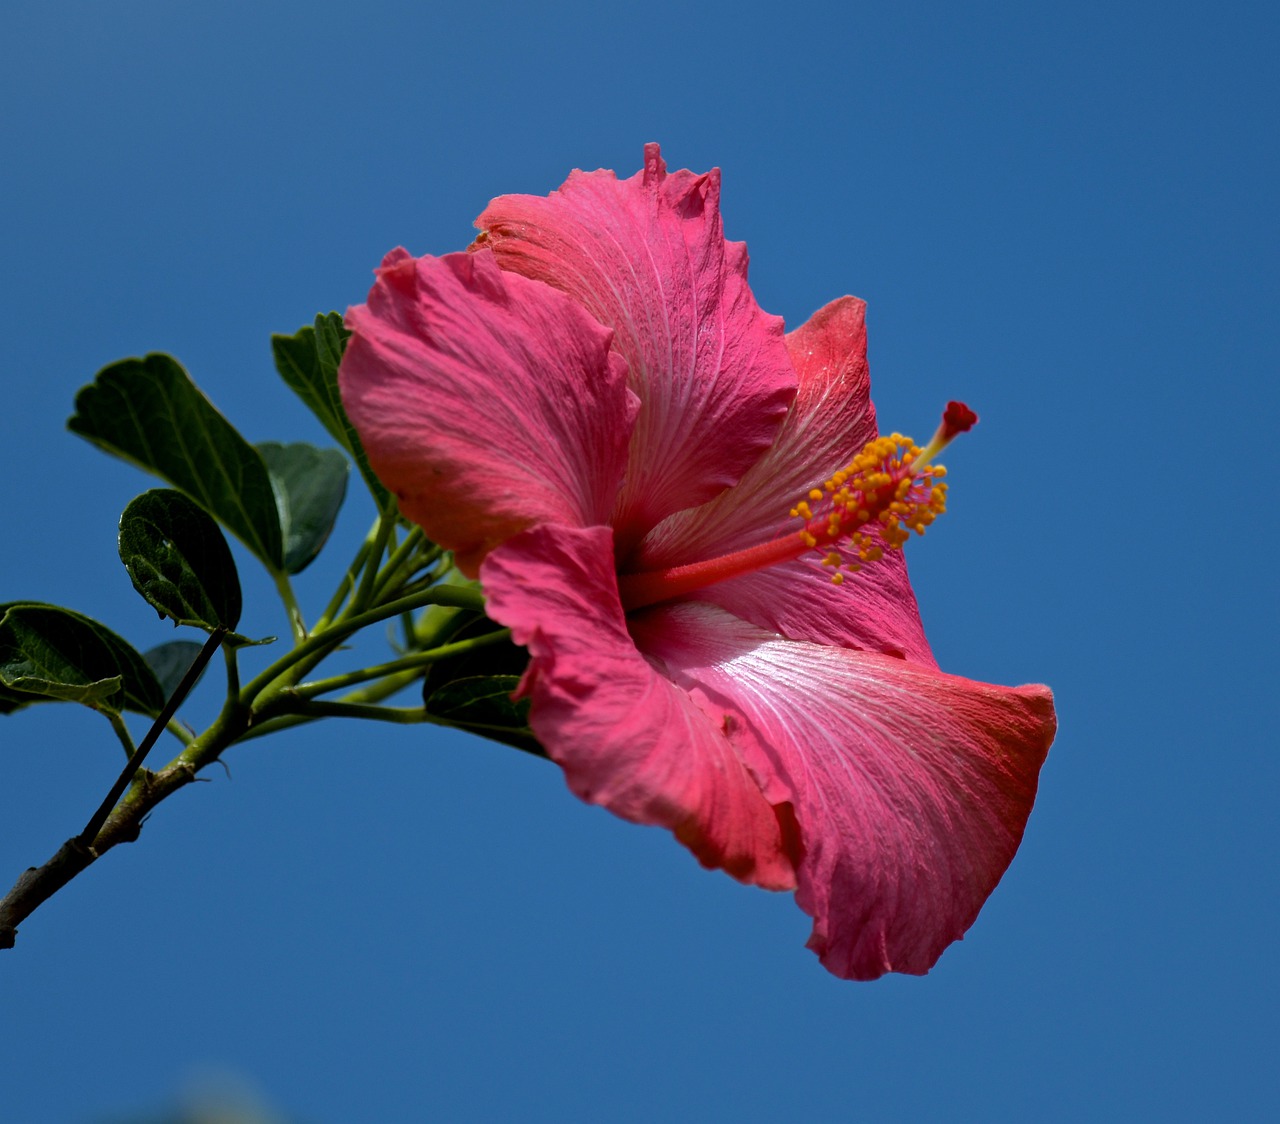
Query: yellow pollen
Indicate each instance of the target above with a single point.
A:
(872, 504)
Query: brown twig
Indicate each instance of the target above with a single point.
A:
(119, 818)
(114, 822)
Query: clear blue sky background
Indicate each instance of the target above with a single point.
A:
(1065, 214)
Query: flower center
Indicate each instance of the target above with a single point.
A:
(888, 490)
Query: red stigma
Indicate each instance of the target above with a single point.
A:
(957, 418)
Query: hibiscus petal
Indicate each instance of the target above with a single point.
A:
(830, 421)
(626, 737)
(874, 609)
(486, 402)
(911, 788)
(647, 257)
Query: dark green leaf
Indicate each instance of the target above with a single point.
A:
(308, 361)
(481, 699)
(179, 561)
(171, 661)
(148, 411)
(103, 694)
(236, 640)
(14, 700)
(483, 704)
(310, 486)
(504, 658)
(48, 653)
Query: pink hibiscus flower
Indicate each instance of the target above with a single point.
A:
(590, 409)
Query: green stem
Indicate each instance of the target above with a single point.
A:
(455, 596)
(273, 726)
(407, 663)
(232, 661)
(374, 692)
(402, 554)
(137, 791)
(266, 699)
(285, 588)
(372, 565)
(322, 643)
(122, 732)
(139, 755)
(316, 710)
(403, 715)
(348, 582)
(179, 731)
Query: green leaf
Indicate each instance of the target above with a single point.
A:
(148, 411)
(483, 700)
(310, 486)
(483, 704)
(308, 362)
(100, 695)
(48, 653)
(171, 661)
(178, 560)
(237, 640)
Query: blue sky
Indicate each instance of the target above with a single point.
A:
(1063, 214)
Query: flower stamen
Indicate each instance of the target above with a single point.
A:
(873, 503)
(889, 487)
